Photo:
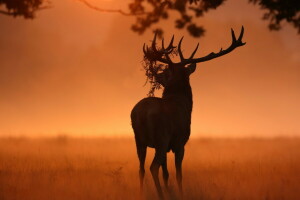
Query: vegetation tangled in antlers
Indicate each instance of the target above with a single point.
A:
(152, 68)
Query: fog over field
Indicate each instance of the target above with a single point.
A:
(61, 168)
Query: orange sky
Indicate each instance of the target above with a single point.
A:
(77, 71)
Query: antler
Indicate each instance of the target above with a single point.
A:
(235, 43)
(162, 55)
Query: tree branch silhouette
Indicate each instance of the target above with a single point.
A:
(106, 10)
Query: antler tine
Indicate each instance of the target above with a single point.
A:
(194, 51)
(163, 47)
(171, 43)
(233, 36)
(170, 47)
(144, 50)
(241, 36)
(166, 51)
(154, 43)
(179, 50)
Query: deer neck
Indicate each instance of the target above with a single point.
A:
(181, 93)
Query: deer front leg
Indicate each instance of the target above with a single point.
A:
(165, 173)
(160, 156)
(141, 150)
(178, 164)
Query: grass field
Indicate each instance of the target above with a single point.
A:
(65, 168)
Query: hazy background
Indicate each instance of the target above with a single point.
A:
(76, 71)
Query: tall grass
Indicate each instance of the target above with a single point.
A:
(64, 168)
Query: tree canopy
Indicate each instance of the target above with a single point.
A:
(24, 8)
(276, 12)
(150, 12)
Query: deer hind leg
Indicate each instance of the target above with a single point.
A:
(178, 164)
(165, 173)
(159, 158)
(142, 150)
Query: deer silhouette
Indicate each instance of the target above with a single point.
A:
(164, 123)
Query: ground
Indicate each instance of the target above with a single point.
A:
(63, 168)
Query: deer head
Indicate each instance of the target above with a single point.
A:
(181, 70)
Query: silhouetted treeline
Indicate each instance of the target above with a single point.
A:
(150, 12)
(276, 12)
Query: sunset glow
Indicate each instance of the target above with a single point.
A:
(76, 123)
(76, 71)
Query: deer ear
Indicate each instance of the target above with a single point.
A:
(191, 68)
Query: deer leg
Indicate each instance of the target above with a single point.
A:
(165, 173)
(160, 156)
(178, 164)
(142, 150)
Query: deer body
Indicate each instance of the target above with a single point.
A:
(154, 119)
(164, 123)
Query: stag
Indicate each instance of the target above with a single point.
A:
(164, 123)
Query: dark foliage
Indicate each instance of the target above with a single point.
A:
(160, 10)
(150, 12)
(25, 8)
(278, 11)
